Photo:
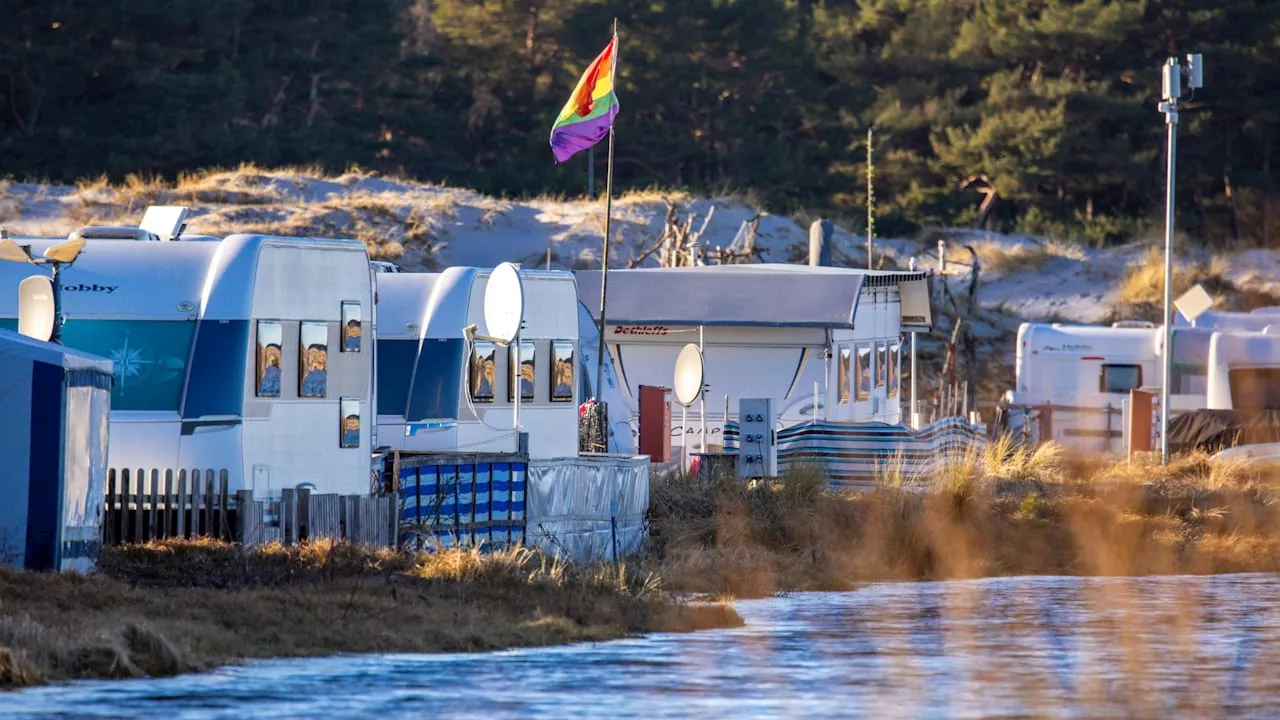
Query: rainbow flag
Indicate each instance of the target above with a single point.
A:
(589, 114)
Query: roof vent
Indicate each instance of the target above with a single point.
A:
(115, 232)
(1133, 324)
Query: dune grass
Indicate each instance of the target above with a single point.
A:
(180, 606)
(1143, 283)
(1007, 259)
(1007, 511)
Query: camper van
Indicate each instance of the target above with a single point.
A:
(439, 390)
(249, 355)
(825, 343)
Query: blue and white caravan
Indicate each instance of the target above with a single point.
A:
(439, 392)
(250, 354)
(769, 330)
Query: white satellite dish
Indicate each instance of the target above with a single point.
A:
(504, 303)
(688, 383)
(35, 307)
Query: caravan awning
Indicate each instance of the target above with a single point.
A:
(760, 295)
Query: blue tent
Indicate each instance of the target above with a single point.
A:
(55, 402)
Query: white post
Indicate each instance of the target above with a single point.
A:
(1172, 90)
(684, 437)
(915, 420)
(515, 379)
(702, 396)
(815, 401)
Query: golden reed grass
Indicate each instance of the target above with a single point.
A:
(180, 606)
(1008, 511)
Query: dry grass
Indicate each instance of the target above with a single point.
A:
(1008, 511)
(1006, 259)
(1143, 283)
(174, 607)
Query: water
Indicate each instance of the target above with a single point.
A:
(1041, 647)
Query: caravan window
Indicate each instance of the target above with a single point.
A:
(270, 358)
(1189, 374)
(1120, 378)
(313, 357)
(863, 375)
(351, 330)
(150, 358)
(562, 363)
(843, 372)
(527, 375)
(349, 422)
(882, 364)
(895, 370)
(483, 372)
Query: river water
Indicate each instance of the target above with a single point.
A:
(1009, 647)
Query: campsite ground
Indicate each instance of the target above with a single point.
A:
(181, 607)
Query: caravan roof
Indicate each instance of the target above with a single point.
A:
(767, 295)
(130, 279)
(440, 300)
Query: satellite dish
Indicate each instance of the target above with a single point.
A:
(504, 303)
(68, 251)
(688, 384)
(35, 307)
(1193, 303)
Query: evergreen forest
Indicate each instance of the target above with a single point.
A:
(1035, 116)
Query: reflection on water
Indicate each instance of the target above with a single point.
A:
(1042, 647)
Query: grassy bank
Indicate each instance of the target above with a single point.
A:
(176, 607)
(1010, 512)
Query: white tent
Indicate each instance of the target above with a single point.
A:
(56, 403)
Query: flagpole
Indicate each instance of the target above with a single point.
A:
(608, 229)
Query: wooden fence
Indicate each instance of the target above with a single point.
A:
(153, 505)
(150, 505)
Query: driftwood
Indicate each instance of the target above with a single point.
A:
(955, 395)
(681, 244)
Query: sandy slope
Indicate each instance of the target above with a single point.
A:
(428, 227)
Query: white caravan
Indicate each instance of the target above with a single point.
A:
(439, 392)
(1252, 321)
(779, 331)
(249, 354)
(1244, 370)
(1083, 374)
